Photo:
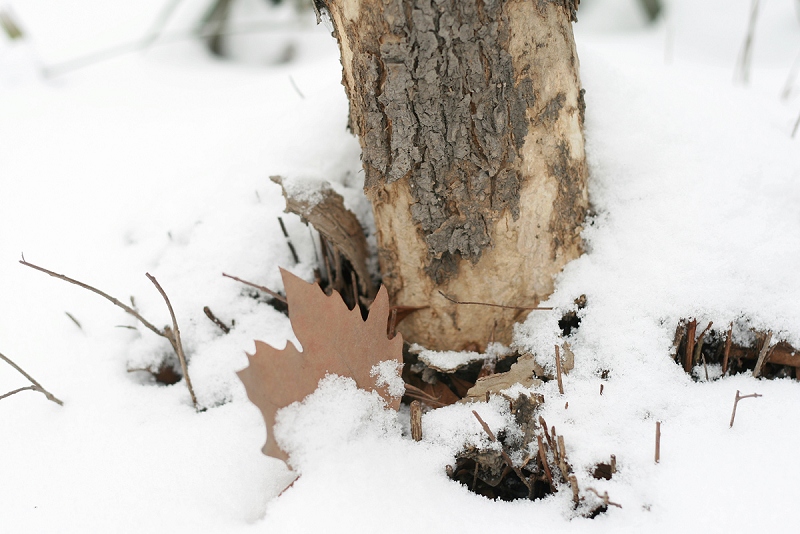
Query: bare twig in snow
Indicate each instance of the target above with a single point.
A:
(266, 290)
(171, 334)
(454, 301)
(543, 458)
(658, 441)
(35, 386)
(736, 402)
(289, 241)
(418, 394)
(416, 421)
(762, 356)
(503, 452)
(558, 371)
(746, 53)
(604, 498)
(106, 296)
(174, 336)
(74, 320)
(222, 326)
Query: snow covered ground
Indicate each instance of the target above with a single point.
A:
(158, 162)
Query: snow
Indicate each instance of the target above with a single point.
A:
(449, 361)
(387, 373)
(159, 162)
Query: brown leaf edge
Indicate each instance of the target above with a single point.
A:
(327, 330)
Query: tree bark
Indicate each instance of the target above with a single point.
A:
(470, 116)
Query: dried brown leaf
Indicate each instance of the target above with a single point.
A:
(338, 224)
(335, 340)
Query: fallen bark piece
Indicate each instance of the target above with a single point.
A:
(335, 340)
(324, 209)
(523, 372)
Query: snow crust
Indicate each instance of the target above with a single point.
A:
(159, 162)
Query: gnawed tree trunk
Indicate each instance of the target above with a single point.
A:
(470, 116)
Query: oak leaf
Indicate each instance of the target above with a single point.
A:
(335, 340)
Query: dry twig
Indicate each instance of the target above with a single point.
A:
(213, 318)
(454, 301)
(416, 421)
(604, 498)
(503, 452)
(106, 296)
(171, 334)
(268, 291)
(174, 336)
(35, 386)
(543, 458)
(736, 402)
(746, 53)
(286, 235)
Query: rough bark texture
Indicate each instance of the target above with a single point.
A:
(470, 118)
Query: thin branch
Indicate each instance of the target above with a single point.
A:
(266, 290)
(418, 394)
(106, 296)
(604, 498)
(454, 301)
(175, 338)
(746, 53)
(74, 320)
(736, 403)
(543, 458)
(26, 388)
(288, 239)
(36, 385)
(503, 452)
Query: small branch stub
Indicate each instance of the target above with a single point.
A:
(416, 420)
(658, 441)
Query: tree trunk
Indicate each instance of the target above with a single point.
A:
(470, 117)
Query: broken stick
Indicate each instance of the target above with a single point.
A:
(736, 402)
(35, 386)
